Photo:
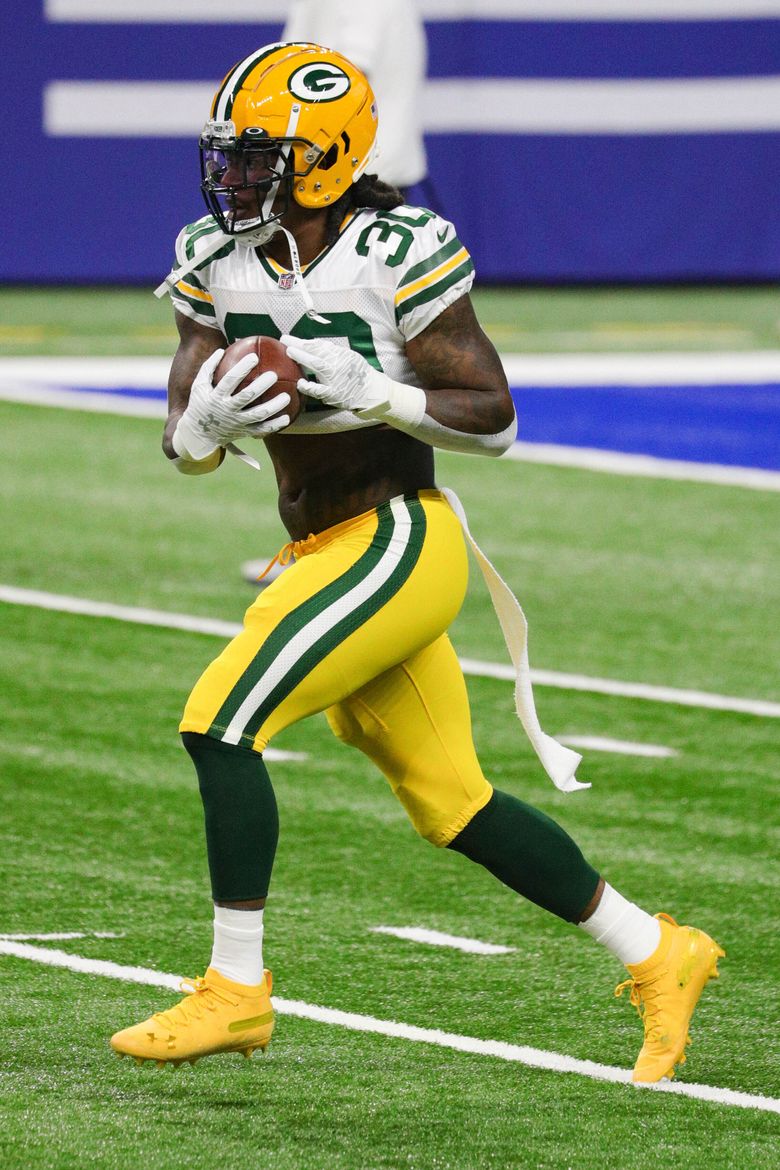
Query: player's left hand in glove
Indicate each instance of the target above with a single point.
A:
(347, 381)
(215, 416)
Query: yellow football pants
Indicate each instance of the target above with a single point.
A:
(356, 628)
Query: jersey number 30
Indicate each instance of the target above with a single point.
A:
(349, 325)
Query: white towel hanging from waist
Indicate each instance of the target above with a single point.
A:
(559, 762)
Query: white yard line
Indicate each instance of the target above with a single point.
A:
(498, 670)
(609, 686)
(642, 466)
(708, 369)
(516, 1053)
(704, 368)
(61, 936)
(436, 938)
(122, 613)
(147, 373)
(81, 383)
(547, 454)
(621, 747)
(91, 400)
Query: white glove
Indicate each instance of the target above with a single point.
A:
(215, 416)
(348, 381)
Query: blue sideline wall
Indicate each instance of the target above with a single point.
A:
(588, 141)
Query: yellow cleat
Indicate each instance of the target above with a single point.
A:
(216, 1016)
(665, 989)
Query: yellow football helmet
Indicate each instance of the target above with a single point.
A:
(289, 121)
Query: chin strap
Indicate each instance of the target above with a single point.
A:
(300, 283)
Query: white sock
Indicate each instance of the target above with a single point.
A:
(624, 929)
(238, 945)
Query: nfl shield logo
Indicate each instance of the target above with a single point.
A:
(287, 280)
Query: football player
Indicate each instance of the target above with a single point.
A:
(371, 297)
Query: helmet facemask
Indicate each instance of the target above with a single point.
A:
(260, 173)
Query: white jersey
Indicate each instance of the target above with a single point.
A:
(388, 275)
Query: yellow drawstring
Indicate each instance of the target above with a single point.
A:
(293, 548)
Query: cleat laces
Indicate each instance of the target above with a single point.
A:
(647, 1004)
(201, 997)
(647, 1001)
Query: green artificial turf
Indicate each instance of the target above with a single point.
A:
(645, 580)
(117, 321)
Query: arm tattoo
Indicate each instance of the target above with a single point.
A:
(457, 362)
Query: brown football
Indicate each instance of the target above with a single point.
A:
(273, 356)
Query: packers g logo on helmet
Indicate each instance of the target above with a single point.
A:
(290, 121)
(320, 82)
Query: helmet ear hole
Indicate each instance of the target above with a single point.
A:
(329, 159)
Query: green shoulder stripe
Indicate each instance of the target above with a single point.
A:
(192, 279)
(204, 221)
(432, 291)
(220, 255)
(196, 231)
(204, 308)
(418, 270)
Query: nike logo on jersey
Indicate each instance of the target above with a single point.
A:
(442, 235)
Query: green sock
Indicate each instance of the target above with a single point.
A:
(242, 822)
(531, 854)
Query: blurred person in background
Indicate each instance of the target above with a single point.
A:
(386, 40)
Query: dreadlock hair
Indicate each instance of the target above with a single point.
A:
(368, 191)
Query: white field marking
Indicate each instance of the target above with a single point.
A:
(516, 1053)
(122, 613)
(277, 755)
(91, 400)
(622, 747)
(41, 381)
(547, 454)
(436, 938)
(608, 686)
(451, 105)
(643, 466)
(725, 368)
(145, 373)
(498, 670)
(62, 935)
(276, 11)
(699, 368)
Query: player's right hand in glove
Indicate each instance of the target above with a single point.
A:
(215, 416)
